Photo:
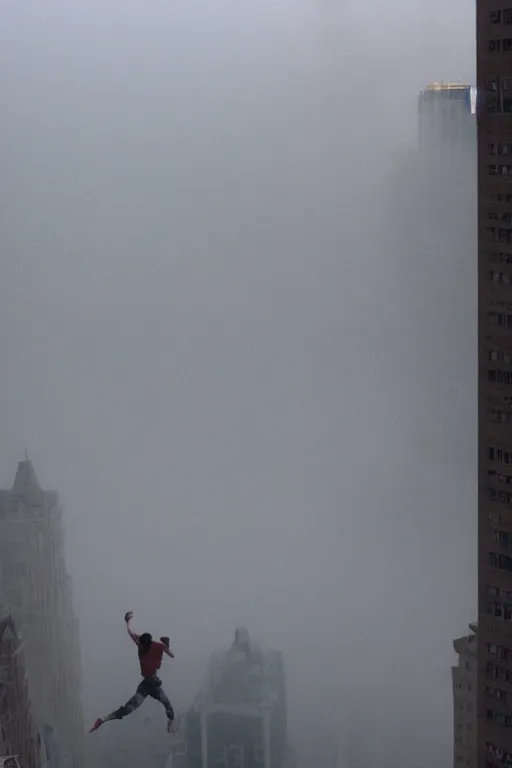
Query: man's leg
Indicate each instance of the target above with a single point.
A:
(157, 692)
(130, 706)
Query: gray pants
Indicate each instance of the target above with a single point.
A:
(150, 686)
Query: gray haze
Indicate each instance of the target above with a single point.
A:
(214, 344)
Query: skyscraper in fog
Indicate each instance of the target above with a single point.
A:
(239, 717)
(446, 119)
(35, 589)
(464, 679)
(494, 84)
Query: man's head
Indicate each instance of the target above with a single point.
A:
(145, 641)
(165, 640)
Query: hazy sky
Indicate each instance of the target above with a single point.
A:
(203, 337)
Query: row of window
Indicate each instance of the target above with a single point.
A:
(499, 356)
(500, 417)
(499, 477)
(499, 754)
(499, 719)
(503, 148)
(500, 562)
(496, 375)
(500, 319)
(500, 235)
(498, 672)
(500, 651)
(502, 256)
(500, 277)
(496, 454)
(503, 497)
(502, 16)
(500, 44)
(505, 216)
(499, 592)
(502, 611)
(499, 169)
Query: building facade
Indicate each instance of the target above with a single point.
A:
(18, 735)
(36, 591)
(494, 115)
(464, 682)
(239, 719)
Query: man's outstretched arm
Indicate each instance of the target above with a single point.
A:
(128, 617)
(167, 646)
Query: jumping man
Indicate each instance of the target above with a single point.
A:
(150, 657)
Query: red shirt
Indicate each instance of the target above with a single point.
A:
(152, 660)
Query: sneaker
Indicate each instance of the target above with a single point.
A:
(96, 725)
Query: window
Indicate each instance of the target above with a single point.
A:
(502, 537)
(495, 17)
(495, 693)
(500, 277)
(507, 15)
(494, 46)
(507, 44)
(500, 562)
(492, 149)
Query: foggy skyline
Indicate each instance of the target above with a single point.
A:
(200, 325)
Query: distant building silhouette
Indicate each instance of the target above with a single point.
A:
(239, 718)
(36, 590)
(18, 735)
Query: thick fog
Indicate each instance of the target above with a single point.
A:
(224, 346)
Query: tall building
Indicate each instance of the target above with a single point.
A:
(18, 735)
(494, 86)
(35, 589)
(446, 119)
(464, 682)
(239, 719)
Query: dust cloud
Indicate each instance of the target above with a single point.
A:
(221, 343)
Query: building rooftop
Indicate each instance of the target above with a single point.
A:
(244, 677)
(446, 87)
(26, 480)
